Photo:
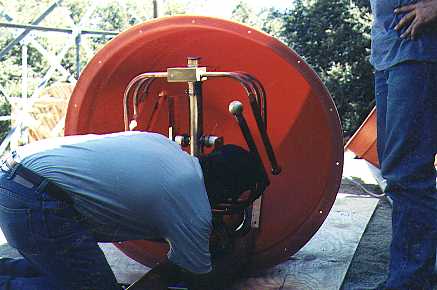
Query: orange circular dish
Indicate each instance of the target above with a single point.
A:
(303, 123)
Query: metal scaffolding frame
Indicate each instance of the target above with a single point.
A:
(25, 38)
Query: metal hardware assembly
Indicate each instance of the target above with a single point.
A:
(212, 141)
(194, 75)
(183, 140)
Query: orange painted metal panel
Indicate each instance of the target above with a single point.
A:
(303, 123)
(363, 142)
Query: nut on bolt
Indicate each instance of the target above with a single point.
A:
(182, 140)
(212, 141)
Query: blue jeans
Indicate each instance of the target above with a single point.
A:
(406, 102)
(60, 252)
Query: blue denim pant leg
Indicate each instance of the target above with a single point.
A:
(406, 97)
(51, 237)
(11, 269)
(19, 267)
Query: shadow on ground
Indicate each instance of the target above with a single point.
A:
(370, 263)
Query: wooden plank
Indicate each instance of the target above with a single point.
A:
(125, 269)
(324, 261)
(322, 264)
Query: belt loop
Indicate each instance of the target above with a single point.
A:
(12, 171)
(42, 185)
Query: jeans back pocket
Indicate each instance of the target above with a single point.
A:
(15, 225)
(60, 222)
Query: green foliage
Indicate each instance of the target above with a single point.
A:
(5, 110)
(265, 20)
(76, 8)
(174, 8)
(244, 14)
(334, 38)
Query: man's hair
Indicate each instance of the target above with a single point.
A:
(229, 171)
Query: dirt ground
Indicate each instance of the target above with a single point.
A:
(370, 263)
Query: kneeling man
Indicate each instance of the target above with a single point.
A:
(59, 197)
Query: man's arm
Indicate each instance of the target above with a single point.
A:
(228, 264)
(225, 270)
(417, 17)
(168, 273)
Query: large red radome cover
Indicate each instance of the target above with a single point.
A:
(303, 123)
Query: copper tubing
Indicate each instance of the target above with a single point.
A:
(256, 110)
(253, 88)
(156, 107)
(144, 87)
(141, 77)
(262, 99)
(171, 118)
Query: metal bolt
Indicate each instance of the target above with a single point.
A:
(182, 140)
(193, 61)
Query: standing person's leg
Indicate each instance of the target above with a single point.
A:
(408, 166)
(50, 235)
(381, 91)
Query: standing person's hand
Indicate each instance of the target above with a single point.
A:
(417, 16)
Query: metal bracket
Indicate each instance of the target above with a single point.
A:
(185, 74)
(256, 213)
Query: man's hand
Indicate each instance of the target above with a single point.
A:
(417, 17)
(229, 267)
